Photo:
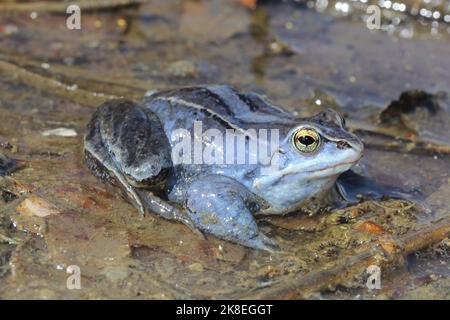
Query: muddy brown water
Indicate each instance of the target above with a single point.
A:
(55, 214)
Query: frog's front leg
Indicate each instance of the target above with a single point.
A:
(220, 206)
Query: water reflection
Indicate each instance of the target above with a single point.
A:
(403, 18)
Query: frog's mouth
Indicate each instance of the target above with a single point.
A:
(331, 170)
(300, 174)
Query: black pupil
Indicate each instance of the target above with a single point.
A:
(306, 140)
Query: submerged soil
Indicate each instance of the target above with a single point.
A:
(391, 86)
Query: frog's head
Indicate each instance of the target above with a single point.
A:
(312, 155)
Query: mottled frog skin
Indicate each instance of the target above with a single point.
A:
(130, 144)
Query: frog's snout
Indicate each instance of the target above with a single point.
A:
(354, 143)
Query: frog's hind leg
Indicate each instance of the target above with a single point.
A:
(136, 141)
(129, 142)
(219, 205)
(101, 164)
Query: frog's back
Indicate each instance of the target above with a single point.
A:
(218, 106)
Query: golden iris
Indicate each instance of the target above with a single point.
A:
(306, 140)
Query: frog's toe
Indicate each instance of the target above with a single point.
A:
(166, 210)
(191, 225)
(263, 242)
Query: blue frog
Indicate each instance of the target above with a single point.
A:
(148, 148)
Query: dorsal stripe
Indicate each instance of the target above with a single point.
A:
(174, 100)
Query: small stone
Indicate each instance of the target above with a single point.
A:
(10, 29)
(35, 206)
(389, 246)
(434, 277)
(370, 227)
(183, 69)
(269, 271)
(198, 267)
(116, 273)
(61, 132)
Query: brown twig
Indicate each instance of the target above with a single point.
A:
(397, 141)
(52, 86)
(407, 146)
(84, 79)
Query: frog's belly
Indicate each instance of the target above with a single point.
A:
(288, 197)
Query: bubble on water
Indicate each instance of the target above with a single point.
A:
(289, 25)
(406, 33)
(321, 5)
(342, 6)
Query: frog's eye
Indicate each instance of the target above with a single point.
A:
(306, 140)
